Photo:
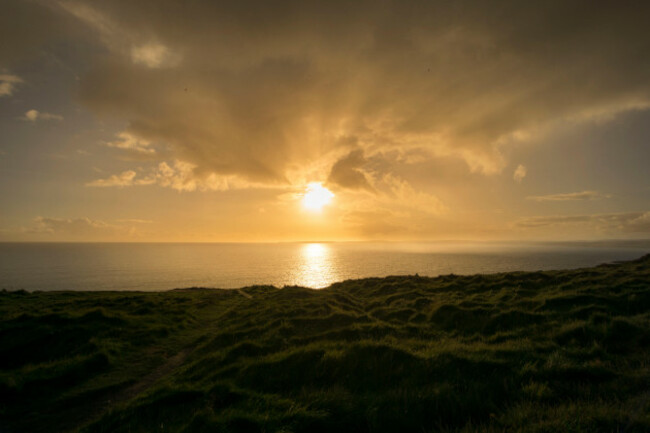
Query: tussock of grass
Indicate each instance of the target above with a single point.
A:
(531, 352)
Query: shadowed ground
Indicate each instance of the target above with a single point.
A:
(536, 352)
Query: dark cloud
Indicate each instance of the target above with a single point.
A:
(346, 172)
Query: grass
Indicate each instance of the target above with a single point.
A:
(531, 352)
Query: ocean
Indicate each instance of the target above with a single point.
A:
(164, 266)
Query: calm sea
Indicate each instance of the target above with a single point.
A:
(108, 266)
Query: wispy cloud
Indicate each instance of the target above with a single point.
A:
(520, 173)
(120, 180)
(8, 84)
(35, 115)
(127, 141)
(153, 55)
(178, 175)
(83, 228)
(135, 221)
(583, 195)
(628, 222)
(76, 225)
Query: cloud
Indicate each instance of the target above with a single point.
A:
(84, 228)
(132, 143)
(584, 195)
(391, 208)
(402, 192)
(639, 223)
(180, 176)
(346, 172)
(69, 225)
(34, 115)
(258, 91)
(394, 208)
(8, 84)
(123, 179)
(520, 173)
(135, 221)
(542, 221)
(630, 222)
(378, 223)
(153, 56)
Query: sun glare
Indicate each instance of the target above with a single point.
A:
(316, 196)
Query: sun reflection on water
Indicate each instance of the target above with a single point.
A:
(316, 268)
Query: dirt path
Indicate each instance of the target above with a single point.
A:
(241, 291)
(99, 408)
(146, 382)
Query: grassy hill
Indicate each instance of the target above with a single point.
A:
(536, 352)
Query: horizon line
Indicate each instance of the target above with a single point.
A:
(485, 241)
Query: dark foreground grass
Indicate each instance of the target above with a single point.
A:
(537, 352)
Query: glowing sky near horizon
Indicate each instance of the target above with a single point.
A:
(211, 121)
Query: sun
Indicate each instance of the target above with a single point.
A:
(316, 196)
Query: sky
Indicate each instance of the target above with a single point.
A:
(212, 121)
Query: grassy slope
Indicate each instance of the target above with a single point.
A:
(544, 351)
